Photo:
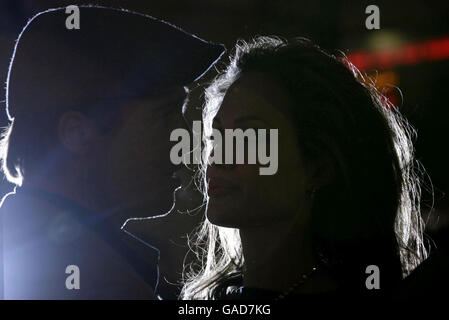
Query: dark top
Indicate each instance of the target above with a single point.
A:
(429, 281)
(44, 233)
(340, 295)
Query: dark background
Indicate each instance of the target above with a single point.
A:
(335, 25)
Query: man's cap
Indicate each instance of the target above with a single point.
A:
(115, 54)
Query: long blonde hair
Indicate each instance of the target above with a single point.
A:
(351, 99)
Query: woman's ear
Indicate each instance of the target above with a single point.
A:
(76, 132)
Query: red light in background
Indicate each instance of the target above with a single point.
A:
(410, 54)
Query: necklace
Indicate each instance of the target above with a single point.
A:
(302, 279)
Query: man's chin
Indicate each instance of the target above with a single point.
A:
(157, 205)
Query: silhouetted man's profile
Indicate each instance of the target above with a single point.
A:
(91, 110)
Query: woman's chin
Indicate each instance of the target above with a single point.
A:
(224, 217)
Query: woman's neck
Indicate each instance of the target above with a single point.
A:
(277, 255)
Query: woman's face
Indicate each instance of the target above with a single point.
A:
(239, 197)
